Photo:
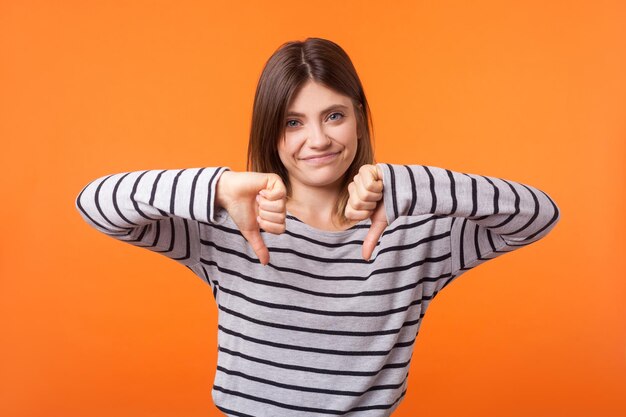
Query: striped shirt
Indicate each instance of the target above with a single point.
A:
(319, 330)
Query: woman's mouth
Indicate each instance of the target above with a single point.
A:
(321, 159)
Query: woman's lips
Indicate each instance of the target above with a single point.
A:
(321, 160)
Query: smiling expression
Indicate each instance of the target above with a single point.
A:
(319, 122)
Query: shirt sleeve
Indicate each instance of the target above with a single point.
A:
(159, 210)
(488, 216)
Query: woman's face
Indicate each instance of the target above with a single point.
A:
(319, 121)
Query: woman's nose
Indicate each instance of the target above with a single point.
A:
(317, 136)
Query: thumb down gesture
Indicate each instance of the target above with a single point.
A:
(366, 200)
(254, 200)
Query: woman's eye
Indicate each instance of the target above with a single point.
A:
(334, 114)
(291, 125)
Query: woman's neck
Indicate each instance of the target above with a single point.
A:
(316, 207)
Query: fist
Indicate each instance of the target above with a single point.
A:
(254, 200)
(366, 201)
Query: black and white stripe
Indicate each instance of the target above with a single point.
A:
(319, 330)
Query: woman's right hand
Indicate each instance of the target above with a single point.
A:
(253, 200)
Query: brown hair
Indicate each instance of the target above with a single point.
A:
(290, 67)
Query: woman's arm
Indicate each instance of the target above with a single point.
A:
(155, 209)
(490, 216)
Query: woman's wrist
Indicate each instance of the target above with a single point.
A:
(221, 189)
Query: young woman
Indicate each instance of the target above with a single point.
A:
(325, 325)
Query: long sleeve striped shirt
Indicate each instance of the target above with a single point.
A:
(319, 330)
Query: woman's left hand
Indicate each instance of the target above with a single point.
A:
(366, 200)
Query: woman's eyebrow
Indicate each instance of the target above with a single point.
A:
(334, 106)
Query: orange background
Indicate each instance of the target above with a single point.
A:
(532, 92)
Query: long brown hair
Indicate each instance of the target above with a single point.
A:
(289, 67)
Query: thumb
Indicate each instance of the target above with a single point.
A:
(369, 243)
(258, 245)
(378, 226)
